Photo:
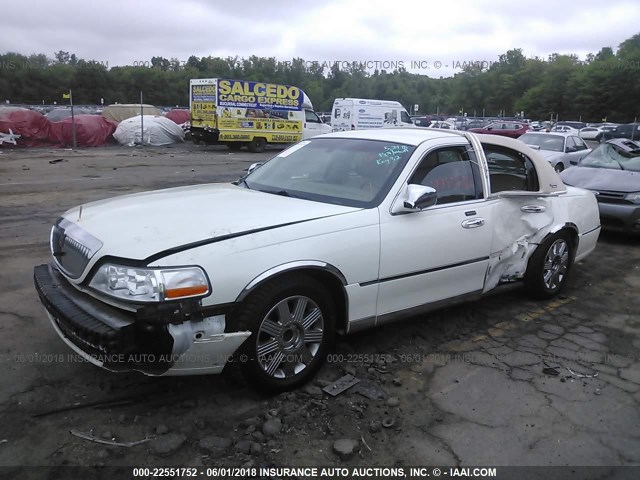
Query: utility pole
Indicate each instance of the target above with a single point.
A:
(141, 121)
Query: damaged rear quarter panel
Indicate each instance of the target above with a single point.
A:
(516, 235)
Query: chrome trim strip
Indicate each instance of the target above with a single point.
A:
(422, 272)
(591, 231)
(427, 307)
(288, 267)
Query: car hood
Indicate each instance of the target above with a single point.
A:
(606, 179)
(141, 225)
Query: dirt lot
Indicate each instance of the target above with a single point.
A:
(503, 381)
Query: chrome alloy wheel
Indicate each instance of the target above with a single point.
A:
(555, 264)
(289, 336)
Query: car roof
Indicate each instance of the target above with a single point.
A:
(409, 136)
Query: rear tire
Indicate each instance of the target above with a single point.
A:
(257, 145)
(549, 266)
(292, 322)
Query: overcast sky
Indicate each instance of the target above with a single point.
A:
(120, 32)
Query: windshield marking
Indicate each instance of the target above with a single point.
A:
(391, 153)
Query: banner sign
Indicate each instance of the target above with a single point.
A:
(267, 96)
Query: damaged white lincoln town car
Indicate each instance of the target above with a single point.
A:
(336, 234)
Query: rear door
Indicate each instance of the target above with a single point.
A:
(519, 212)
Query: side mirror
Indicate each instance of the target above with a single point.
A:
(253, 166)
(571, 149)
(414, 198)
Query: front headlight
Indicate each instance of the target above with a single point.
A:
(633, 197)
(150, 284)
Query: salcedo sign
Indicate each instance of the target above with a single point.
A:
(269, 96)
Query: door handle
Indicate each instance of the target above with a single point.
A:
(533, 208)
(473, 223)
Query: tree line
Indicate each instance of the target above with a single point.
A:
(604, 85)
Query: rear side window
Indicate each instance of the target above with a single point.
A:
(510, 170)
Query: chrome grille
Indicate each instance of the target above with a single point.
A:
(72, 247)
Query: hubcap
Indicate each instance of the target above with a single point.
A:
(289, 336)
(555, 264)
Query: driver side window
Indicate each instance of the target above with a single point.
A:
(452, 172)
(311, 117)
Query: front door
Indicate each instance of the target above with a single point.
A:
(443, 251)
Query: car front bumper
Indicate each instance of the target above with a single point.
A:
(620, 217)
(119, 341)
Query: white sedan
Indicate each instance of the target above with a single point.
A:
(443, 124)
(336, 234)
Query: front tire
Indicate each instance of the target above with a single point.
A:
(292, 323)
(549, 266)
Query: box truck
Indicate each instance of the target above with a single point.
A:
(362, 113)
(240, 113)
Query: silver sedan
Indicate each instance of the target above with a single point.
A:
(561, 150)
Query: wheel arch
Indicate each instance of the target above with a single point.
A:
(329, 275)
(572, 229)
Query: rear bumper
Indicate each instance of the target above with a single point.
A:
(118, 341)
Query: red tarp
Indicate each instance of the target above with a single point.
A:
(33, 127)
(91, 131)
(179, 115)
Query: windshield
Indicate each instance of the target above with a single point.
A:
(615, 158)
(343, 171)
(553, 143)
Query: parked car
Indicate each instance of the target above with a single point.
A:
(475, 123)
(565, 129)
(575, 125)
(629, 130)
(336, 234)
(604, 129)
(506, 129)
(560, 149)
(421, 121)
(443, 124)
(590, 133)
(612, 172)
(325, 117)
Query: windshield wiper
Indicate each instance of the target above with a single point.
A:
(282, 193)
(242, 181)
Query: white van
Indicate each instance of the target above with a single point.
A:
(361, 113)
